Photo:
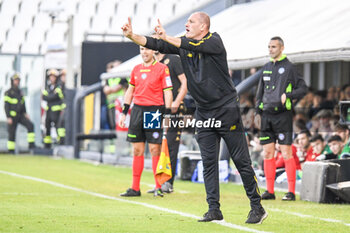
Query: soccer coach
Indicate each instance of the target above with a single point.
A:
(203, 58)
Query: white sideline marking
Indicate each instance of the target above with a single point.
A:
(222, 222)
(310, 216)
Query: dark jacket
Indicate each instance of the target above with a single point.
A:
(14, 102)
(53, 95)
(205, 66)
(277, 78)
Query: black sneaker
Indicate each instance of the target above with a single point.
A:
(256, 216)
(211, 216)
(268, 196)
(167, 187)
(289, 197)
(131, 193)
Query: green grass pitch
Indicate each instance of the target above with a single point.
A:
(28, 205)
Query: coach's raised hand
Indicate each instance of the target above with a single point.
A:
(160, 31)
(127, 31)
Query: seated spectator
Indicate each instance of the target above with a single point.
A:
(336, 146)
(318, 148)
(303, 148)
(279, 158)
(325, 128)
(299, 124)
(305, 103)
(344, 133)
(345, 92)
(316, 104)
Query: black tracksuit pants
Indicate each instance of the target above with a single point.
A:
(232, 132)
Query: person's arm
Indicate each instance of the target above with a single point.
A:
(148, 42)
(259, 104)
(7, 100)
(300, 88)
(127, 31)
(181, 95)
(168, 97)
(210, 44)
(56, 95)
(129, 94)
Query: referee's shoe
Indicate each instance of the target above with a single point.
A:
(131, 193)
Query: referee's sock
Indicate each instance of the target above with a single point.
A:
(270, 174)
(291, 173)
(155, 160)
(137, 168)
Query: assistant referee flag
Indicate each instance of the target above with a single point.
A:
(163, 172)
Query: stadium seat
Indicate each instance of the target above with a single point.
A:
(30, 48)
(100, 24)
(10, 47)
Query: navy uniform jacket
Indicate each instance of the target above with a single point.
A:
(277, 78)
(205, 66)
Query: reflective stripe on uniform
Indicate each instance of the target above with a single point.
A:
(56, 108)
(13, 113)
(111, 105)
(264, 138)
(45, 93)
(288, 101)
(113, 81)
(11, 145)
(31, 137)
(267, 72)
(59, 92)
(47, 140)
(131, 135)
(261, 106)
(10, 100)
(61, 132)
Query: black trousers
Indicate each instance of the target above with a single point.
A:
(232, 132)
(11, 128)
(51, 117)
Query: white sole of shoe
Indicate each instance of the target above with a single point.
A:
(263, 218)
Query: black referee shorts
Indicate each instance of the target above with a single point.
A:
(138, 131)
(277, 127)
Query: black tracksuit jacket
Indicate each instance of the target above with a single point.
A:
(205, 65)
(277, 78)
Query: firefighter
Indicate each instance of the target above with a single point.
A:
(61, 130)
(16, 113)
(53, 95)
